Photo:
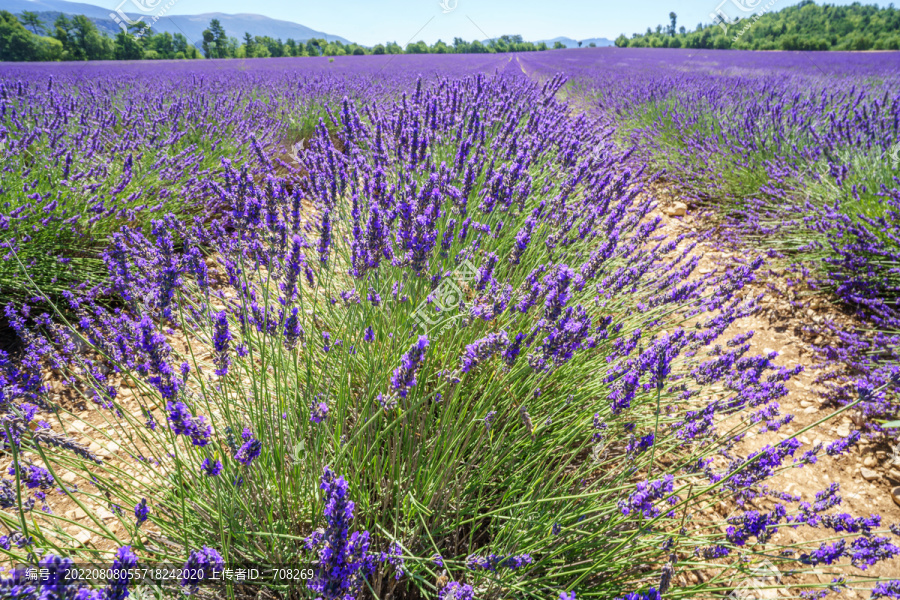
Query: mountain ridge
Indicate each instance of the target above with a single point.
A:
(191, 26)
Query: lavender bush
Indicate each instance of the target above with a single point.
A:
(449, 354)
(796, 154)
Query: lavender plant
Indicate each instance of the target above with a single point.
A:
(450, 355)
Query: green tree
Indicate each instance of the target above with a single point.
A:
(378, 49)
(672, 20)
(215, 41)
(127, 47)
(33, 20)
(180, 43)
(16, 42)
(314, 47)
(558, 46)
(49, 48)
(419, 47)
(81, 40)
(805, 26)
(476, 47)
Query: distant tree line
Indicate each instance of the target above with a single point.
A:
(28, 38)
(217, 44)
(804, 26)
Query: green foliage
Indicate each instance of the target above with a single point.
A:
(33, 20)
(78, 38)
(215, 42)
(804, 26)
(16, 42)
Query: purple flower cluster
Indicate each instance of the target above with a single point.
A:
(643, 500)
(344, 558)
(200, 566)
(141, 512)
(183, 422)
(456, 591)
(249, 451)
(221, 343)
(492, 562)
(33, 476)
(404, 376)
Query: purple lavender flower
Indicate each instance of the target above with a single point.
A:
(650, 594)
(343, 561)
(456, 591)
(221, 342)
(325, 237)
(489, 419)
(867, 550)
(482, 349)
(887, 589)
(122, 566)
(825, 554)
(211, 468)
(404, 376)
(248, 452)
(492, 562)
(841, 445)
(34, 476)
(318, 412)
(141, 511)
(648, 492)
(183, 422)
(201, 565)
(638, 445)
(394, 556)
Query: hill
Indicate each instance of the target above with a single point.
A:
(804, 26)
(570, 43)
(191, 26)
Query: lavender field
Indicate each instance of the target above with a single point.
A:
(452, 326)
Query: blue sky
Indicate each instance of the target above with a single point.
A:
(370, 22)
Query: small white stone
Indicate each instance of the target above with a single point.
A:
(679, 209)
(868, 474)
(83, 537)
(75, 514)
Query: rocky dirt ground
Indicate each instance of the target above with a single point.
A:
(866, 474)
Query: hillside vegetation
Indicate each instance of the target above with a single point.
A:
(804, 26)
